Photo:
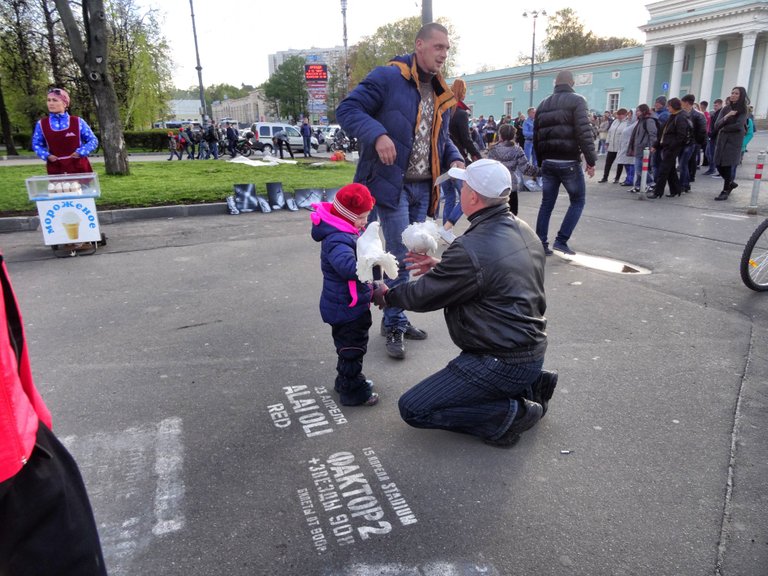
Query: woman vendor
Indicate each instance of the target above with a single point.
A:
(62, 140)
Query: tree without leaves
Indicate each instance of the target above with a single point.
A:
(90, 50)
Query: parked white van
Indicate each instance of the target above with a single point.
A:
(265, 131)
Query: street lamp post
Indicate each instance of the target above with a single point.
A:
(198, 67)
(534, 14)
(346, 56)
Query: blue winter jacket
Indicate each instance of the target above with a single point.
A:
(344, 298)
(387, 102)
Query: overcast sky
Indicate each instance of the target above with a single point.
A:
(236, 36)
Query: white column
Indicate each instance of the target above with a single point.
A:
(708, 74)
(649, 72)
(745, 62)
(677, 70)
(760, 99)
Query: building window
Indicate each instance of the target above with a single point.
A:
(508, 105)
(686, 63)
(527, 85)
(613, 101)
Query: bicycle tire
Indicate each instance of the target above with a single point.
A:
(754, 260)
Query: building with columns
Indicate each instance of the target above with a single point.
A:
(706, 47)
(702, 47)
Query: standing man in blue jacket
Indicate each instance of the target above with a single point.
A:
(400, 115)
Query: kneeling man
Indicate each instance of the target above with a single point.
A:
(490, 285)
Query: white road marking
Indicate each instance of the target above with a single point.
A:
(170, 485)
(429, 569)
(724, 216)
(135, 484)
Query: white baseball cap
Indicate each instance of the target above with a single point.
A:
(487, 177)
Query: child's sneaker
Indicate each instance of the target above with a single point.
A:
(372, 401)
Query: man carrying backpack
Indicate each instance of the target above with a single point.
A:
(212, 138)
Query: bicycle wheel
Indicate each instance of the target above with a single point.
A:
(754, 260)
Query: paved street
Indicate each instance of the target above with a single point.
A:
(188, 370)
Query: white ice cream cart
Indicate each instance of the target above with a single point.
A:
(67, 208)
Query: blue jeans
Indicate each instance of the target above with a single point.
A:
(530, 153)
(571, 176)
(450, 195)
(682, 162)
(630, 168)
(414, 200)
(452, 207)
(474, 394)
(709, 152)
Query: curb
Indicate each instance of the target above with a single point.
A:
(32, 223)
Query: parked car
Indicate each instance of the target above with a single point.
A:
(263, 132)
(330, 132)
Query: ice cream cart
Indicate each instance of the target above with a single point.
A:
(67, 208)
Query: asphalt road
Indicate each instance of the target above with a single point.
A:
(189, 372)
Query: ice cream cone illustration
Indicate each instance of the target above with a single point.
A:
(71, 222)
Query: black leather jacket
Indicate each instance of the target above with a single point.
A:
(561, 128)
(490, 284)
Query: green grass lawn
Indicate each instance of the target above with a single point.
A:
(167, 183)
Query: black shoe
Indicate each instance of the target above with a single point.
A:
(563, 247)
(625, 184)
(547, 251)
(732, 186)
(531, 414)
(544, 388)
(603, 181)
(615, 181)
(723, 196)
(413, 333)
(395, 344)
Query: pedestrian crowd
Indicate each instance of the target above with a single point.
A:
(199, 144)
(681, 135)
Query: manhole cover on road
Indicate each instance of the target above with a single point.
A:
(604, 264)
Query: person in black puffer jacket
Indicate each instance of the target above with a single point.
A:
(671, 142)
(562, 134)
